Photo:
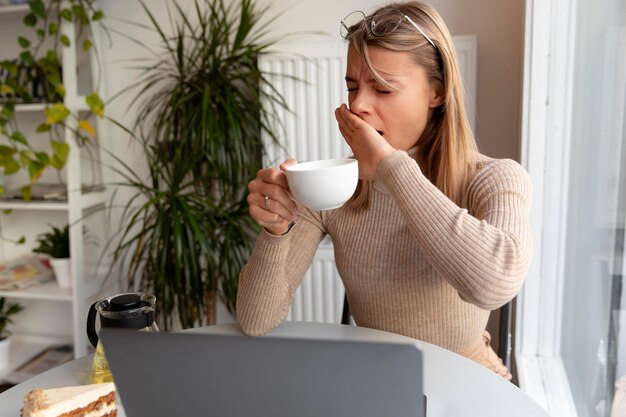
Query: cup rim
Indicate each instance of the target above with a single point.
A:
(305, 166)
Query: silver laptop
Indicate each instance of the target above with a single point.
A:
(207, 374)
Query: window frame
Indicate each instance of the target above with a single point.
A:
(546, 122)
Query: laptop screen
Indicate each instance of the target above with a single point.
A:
(198, 374)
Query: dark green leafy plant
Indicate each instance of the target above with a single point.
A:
(39, 63)
(200, 117)
(7, 311)
(55, 243)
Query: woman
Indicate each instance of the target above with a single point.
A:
(436, 235)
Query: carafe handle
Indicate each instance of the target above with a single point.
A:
(91, 325)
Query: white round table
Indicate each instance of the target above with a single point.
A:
(454, 385)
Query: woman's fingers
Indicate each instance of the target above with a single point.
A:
(284, 165)
(269, 201)
(368, 146)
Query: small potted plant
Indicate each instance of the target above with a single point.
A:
(7, 310)
(56, 244)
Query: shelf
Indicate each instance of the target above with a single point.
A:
(14, 8)
(24, 348)
(47, 291)
(75, 205)
(78, 104)
(87, 200)
(31, 107)
(34, 205)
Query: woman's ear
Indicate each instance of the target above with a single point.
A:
(437, 96)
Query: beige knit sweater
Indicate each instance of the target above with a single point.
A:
(413, 263)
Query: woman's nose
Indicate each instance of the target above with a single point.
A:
(361, 102)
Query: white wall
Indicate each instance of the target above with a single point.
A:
(498, 25)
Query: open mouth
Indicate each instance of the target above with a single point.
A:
(380, 133)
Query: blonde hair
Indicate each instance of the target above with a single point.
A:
(447, 151)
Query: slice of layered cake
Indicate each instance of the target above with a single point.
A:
(95, 400)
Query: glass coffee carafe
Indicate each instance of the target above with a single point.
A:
(130, 311)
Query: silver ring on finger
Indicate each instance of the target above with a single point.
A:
(266, 200)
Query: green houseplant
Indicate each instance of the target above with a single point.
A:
(56, 244)
(200, 117)
(39, 64)
(7, 311)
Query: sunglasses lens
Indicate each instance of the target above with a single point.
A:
(351, 20)
(382, 27)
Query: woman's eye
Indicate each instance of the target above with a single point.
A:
(383, 91)
(352, 89)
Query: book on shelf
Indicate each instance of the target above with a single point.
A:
(47, 192)
(24, 272)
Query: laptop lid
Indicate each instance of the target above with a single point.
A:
(202, 374)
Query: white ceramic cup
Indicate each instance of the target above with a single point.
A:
(324, 184)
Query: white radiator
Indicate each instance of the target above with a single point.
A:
(311, 80)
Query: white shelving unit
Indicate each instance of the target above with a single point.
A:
(56, 314)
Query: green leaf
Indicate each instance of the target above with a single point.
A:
(12, 67)
(6, 151)
(53, 79)
(8, 110)
(61, 151)
(38, 8)
(96, 104)
(35, 169)
(56, 113)
(53, 28)
(30, 19)
(24, 43)
(41, 33)
(43, 127)
(87, 45)
(87, 127)
(65, 40)
(60, 88)
(7, 211)
(42, 157)
(98, 15)
(27, 192)
(21, 240)
(5, 89)
(1, 189)
(56, 163)
(10, 166)
(26, 157)
(19, 137)
(52, 60)
(27, 57)
(66, 14)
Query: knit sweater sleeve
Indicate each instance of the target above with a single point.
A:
(485, 255)
(273, 273)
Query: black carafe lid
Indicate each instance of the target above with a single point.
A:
(135, 319)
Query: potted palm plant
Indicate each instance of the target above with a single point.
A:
(7, 311)
(200, 117)
(56, 244)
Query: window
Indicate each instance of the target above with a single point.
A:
(571, 328)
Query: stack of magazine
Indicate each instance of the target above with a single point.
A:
(24, 272)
